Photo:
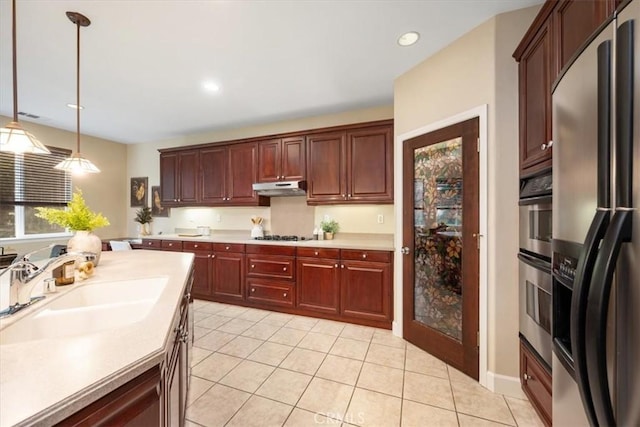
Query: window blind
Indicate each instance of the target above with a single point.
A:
(30, 179)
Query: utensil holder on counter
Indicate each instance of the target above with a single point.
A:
(257, 231)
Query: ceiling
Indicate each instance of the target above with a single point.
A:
(143, 63)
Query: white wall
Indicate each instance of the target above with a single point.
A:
(474, 70)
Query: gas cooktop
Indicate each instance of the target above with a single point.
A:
(283, 238)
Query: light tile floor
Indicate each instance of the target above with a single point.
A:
(260, 368)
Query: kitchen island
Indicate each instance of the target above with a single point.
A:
(46, 378)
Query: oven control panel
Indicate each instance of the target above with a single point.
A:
(564, 266)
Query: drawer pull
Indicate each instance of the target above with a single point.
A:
(253, 289)
(284, 269)
(195, 246)
(526, 377)
(364, 255)
(226, 247)
(253, 266)
(284, 295)
(316, 253)
(213, 256)
(342, 266)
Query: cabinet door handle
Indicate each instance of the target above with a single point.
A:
(344, 196)
(209, 256)
(284, 295)
(316, 253)
(226, 247)
(253, 289)
(284, 269)
(349, 196)
(213, 256)
(342, 266)
(526, 377)
(253, 266)
(364, 255)
(546, 146)
(195, 246)
(336, 265)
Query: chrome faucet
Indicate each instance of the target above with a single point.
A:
(24, 275)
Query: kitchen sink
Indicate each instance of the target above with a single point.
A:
(88, 309)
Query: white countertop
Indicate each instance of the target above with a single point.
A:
(45, 381)
(341, 241)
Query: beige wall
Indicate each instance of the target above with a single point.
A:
(478, 69)
(103, 192)
(143, 160)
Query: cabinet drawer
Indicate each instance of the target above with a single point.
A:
(536, 383)
(151, 244)
(365, 255)
(271, 250)
(173, 245)
(228, 247)
(197, 246)
(274, 266)
(270, 292)
(319, 253)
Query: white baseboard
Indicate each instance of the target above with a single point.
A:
(509, 386)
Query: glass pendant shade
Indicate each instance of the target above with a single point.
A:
(77, 165)
(15, 139)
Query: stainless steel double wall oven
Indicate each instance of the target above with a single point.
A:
(535, 265)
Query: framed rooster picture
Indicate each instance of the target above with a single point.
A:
(156, 203)
(139, 190)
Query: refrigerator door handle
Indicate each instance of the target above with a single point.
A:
(577, 330)
(624, 113)
(619, 231)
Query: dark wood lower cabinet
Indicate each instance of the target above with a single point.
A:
(318, 285)
(366, 290)
(536, 382)
(228, 275)
(158, 397)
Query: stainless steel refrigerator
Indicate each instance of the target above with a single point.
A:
(596, 230)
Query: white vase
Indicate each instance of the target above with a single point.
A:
(85, 241)
(144, 230)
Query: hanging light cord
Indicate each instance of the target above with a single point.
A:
(15, 66)
(77, 87)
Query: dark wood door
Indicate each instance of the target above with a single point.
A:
(213, 163)
(202, 275)
(189, 167)
(242, 172)
(326, 168)
(293, 159)
(269, 160)
(370, 165)
(168, 177)
(441, 232)
(318, 286)
(228, 276)
(536, 69)
(366, 290)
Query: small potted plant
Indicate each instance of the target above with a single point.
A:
(330, 227)
(144, 218)
(80, 219)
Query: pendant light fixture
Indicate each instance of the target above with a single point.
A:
(13, 137)
(77, 164)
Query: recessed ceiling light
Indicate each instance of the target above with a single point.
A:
(74, 106)
(409, 38)
(211, 86)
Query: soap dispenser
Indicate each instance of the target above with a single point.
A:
(315, 233)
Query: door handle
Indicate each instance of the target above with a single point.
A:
(404, 250)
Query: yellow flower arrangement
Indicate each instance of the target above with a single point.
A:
(76, 217)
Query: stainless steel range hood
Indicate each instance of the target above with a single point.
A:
(282, 188)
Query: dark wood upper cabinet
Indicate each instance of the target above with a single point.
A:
(326, 168)
(242, 172)
(281, 159)
(535, 73)
(574, 21)
(213, 162)
(370, 165)
(179, 172)
(354, 166)
(555, 36)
